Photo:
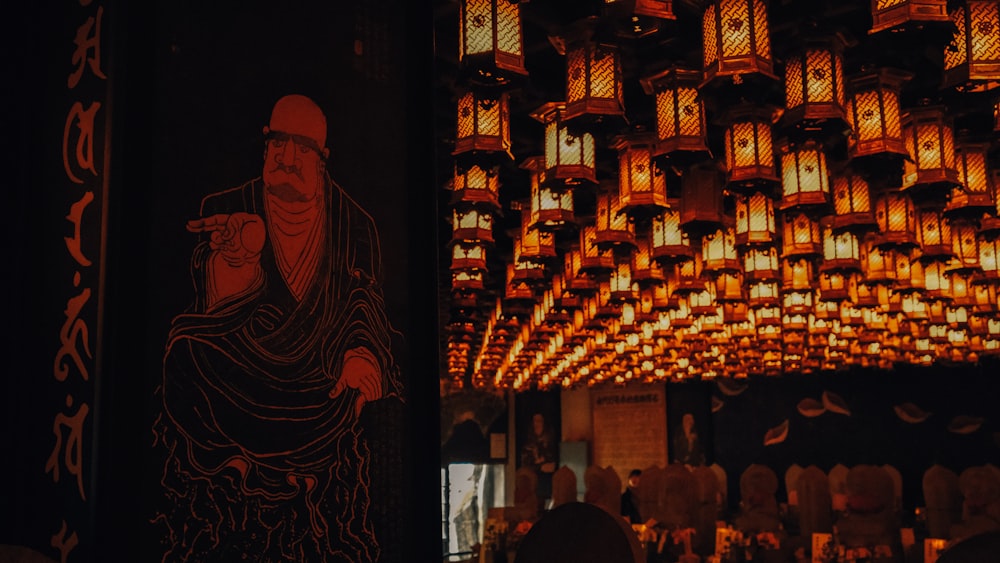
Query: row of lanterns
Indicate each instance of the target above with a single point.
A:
(779, 261)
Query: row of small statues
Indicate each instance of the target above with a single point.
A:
(861, 504)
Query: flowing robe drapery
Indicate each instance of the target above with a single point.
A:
(248, 419)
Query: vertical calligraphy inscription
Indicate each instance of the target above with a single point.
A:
(74, 363)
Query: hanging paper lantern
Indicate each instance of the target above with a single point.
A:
(755, 222)
(736, 40)
(852, 204)
(645, 270)
(989, 258)
(805, 179)
(614, 230)
(642, 185)
(841, 251)
(476, 186)
(888, 14)
(594, 259)
(551, 208)
(680, 112)
(467, 280)
(930, 144)
(490, 42)
(593, 82)
(965, 245)
(472, 225)
(669, 242)
(973, 57)
(814, 82)
(535, 245)
(873, 114)
(749, 148)
(760, 263)
(468, 257)
(570, 159)
(801, 236)
(483, 125)
(972, 196)
(934, 235)
(719, 252)
(897, 219)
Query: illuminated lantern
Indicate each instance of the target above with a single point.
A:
(614, 230)
(550, 208)
(754, 219)
(575, 277)
(719, 252)
(935, 235)
(593, 259)
(476, 186)
(621, 283)
(593, 82)
(468, 257)
(569, 159)
(801, 236)
(888, 14)
(490, 42)
(669, 242)
(472, 225)
(749, 148)
(974, 54)
(483, 125)
(836, 286)
(536, 245)
(965, 246)
(841, 251)
(797, 275)
(728, 287)
(644, 268)
(897, 219)
(763, 294)
(852, 205)
(680, 112)
(736, 40)
(930, 144)
(642, 186)
(701, 205)
(936, 282)
(989, 258)
(962, 294)
(814, 82)
(760, 263)
(528, 268)
(805, 179)
(973, 194)
(466, 280)
(873, 114)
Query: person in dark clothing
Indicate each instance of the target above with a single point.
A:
(630, 498)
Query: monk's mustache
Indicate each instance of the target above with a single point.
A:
(288, 169)
(285, 192)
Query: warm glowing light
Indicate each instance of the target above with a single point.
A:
(477, 186)
(930, 144)
(490, 42)
(680, 111)
(642, 186)
(814, 82)
(593, 81)
(873, 114)
(736, 39)
(472, 225)
(483, 124)
(569, 158)
(973, 57)
(749, 148)
(805, 180)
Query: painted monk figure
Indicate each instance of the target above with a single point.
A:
(266, 375)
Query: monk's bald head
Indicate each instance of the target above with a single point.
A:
(297, 115)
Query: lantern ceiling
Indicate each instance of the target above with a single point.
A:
(644, 190)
